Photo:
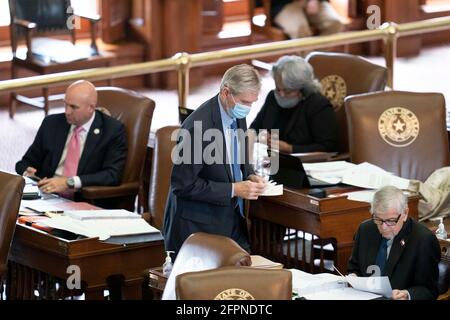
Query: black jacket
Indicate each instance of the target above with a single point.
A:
(412, 263)
(103, 157)
(310, 126)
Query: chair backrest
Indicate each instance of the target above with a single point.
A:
(444, 271)
(161, 171)
(135, 111)
(235, 283)
(203, 251)
(342, 75)
(11, 187)
(402, 132)
(49, 15)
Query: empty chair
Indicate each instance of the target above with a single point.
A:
(402, 132)
(235, 283)
(203, 251)
(342, 75)
(135, 111)
(161, 171)
(11, 187)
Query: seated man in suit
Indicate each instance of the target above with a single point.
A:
(211, 175)
(304, 18)
(305, 118)
(397, 246)
(78, 148)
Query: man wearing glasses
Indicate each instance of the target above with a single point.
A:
(399, 247)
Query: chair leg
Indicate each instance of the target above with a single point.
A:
(45, 91)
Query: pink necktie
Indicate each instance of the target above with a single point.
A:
(73, 154)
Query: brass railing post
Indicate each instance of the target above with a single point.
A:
(390, 49)
(183, 60)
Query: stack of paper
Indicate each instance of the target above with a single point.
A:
(273, 189)
(261, 262)
(101, 214)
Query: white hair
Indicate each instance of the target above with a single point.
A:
(295, 73)
(388, 198)
(241, 78)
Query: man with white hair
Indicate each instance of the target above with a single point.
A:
(398, 247)
(212, 176)
(305, 118)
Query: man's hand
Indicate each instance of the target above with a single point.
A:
(248, 189)
(256, 179)
(283, 146)
(313, 7)
(30, 172)
(53, 185)
(400, 294)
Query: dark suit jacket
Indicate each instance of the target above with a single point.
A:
(311, 127)
(412, 263)
(103, 156)
(200, 194)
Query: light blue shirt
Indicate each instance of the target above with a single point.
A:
(226, 125)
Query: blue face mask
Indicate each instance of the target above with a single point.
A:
(286, 103)
(239, 111)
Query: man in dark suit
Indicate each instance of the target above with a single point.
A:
(81, 147)
(398, 247)
(211, 175)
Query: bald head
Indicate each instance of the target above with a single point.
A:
(81, 101)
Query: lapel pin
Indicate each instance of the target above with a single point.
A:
(96, 131)
(402, 243)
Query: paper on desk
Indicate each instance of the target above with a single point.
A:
(363, 196)
(378, 285)
(341, 294)
(375, 181)
(101, 214)
(273, 189)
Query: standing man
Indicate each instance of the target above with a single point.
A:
(209, 185)
(399, 247)
(78, 148)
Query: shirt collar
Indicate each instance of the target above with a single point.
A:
(87, 125)
(226, 119)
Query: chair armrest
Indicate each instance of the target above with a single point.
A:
(314, 156)
(24, 24)
(103, 192)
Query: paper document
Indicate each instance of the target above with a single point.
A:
(341, 294)
(261, 262)
(378, 285)
(273, 189)
(375, 181)
(101, 214)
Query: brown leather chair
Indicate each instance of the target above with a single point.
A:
(266, 29)
(136, 112)
(161, 170)
(342, 75)
(402, 132)
(10, 197)
(235, 283)
(444, 271)
(203, 251)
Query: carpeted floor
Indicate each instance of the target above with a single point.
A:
(427, 72)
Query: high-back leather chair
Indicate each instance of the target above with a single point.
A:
(42, 25)
(203, 251)
(161, 171)
(135, 111)
(235, 283)
(11, 187)
(402, 132)
(342, 75)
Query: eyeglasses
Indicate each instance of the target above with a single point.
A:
(388, 222)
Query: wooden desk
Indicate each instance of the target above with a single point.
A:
(35, 253)
(335, 219)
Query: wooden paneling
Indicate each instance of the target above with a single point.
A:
(115, 15)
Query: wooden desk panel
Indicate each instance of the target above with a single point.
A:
(40, 251)
(334, 218)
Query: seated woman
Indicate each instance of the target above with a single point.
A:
(305, 118)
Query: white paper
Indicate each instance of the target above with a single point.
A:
(341, 294)
(101, 214)
(273, 190)
(378, 285)
(375, 181)
(363, 196)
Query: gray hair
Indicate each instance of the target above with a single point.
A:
(387, 198)
(241, 78)
(295, 73)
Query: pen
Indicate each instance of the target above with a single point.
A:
(34, 210)
(55, 211)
